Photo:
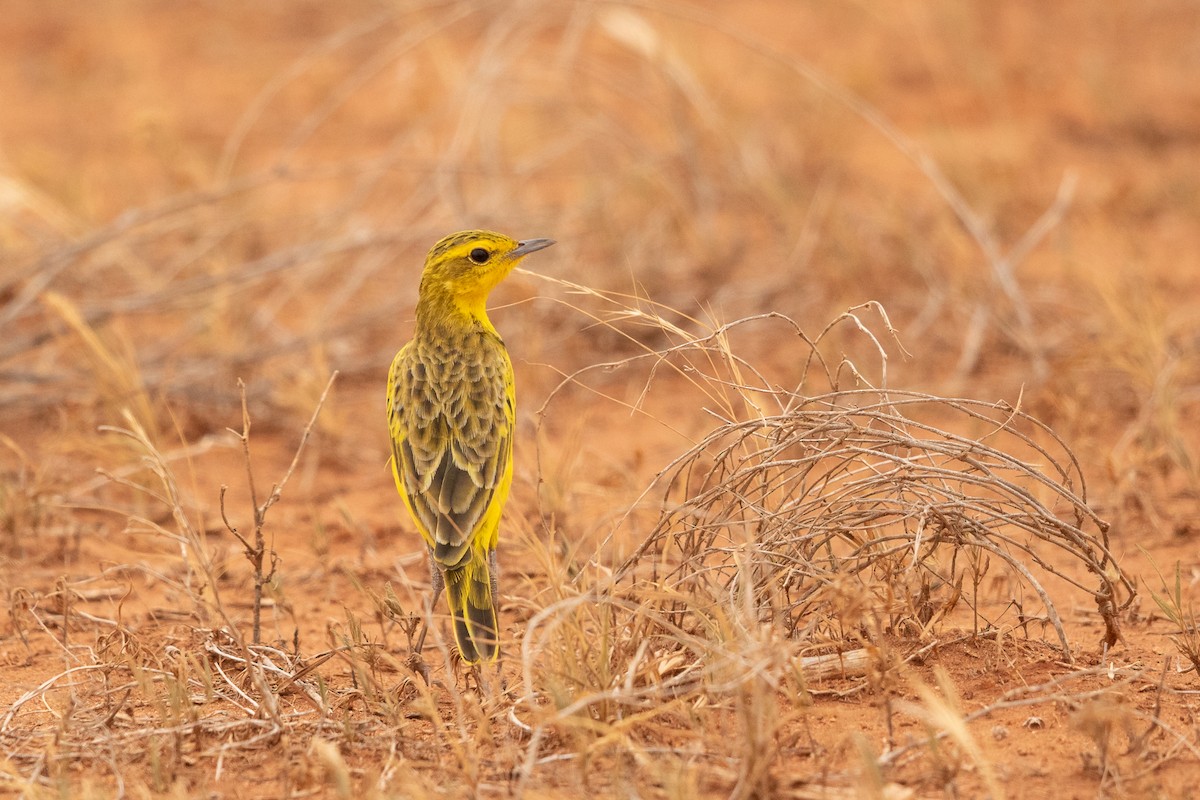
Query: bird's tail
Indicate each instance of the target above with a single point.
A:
(473, 605)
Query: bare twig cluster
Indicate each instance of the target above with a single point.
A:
(853, 491)
(814, 533)
(257, 552)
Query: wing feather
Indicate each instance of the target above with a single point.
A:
(450, 414)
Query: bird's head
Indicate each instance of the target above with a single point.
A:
(464, 267)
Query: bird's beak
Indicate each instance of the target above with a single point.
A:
(530, 246)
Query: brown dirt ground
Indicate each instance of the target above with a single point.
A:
(671, 187)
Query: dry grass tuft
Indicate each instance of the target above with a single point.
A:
(852, 493)
(846, 533)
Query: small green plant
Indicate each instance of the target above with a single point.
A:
(1179, 612)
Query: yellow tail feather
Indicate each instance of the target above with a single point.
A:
(469, 593)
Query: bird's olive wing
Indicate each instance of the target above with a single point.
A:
(452, 419)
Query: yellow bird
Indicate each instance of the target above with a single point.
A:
(451, 407)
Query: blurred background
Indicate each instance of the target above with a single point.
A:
(196, 194)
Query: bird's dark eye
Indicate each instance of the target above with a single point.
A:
(480, 256)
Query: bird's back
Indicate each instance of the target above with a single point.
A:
(450, 410)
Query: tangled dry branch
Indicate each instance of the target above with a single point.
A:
(852, 491)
